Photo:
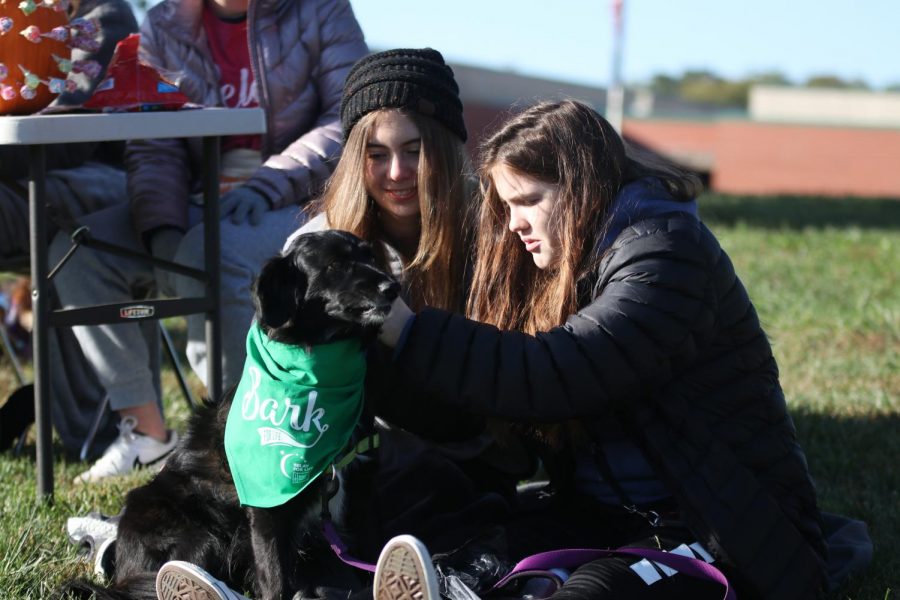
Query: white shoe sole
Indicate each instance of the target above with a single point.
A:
(179, 580)
(404, 571)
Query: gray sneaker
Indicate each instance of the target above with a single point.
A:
(404, 571)
(179, 580)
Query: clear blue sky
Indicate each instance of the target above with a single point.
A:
(572, 39)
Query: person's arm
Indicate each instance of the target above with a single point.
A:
(159, 172)
(300, 170)
(654, 310)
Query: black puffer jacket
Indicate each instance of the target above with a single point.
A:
(671, 344)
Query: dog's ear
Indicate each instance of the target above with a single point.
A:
(278, 292)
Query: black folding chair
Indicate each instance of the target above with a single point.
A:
(20, 265)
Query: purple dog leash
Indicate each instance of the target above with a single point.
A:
(565, 559)
(573, 558)
(341, 550)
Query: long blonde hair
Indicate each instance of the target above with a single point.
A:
(570, 145)
(435, 276)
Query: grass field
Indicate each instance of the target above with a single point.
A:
(825, 277)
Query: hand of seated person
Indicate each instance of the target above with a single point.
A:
(243, 203)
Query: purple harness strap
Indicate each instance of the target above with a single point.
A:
(572, 558)
(566, 559)
(341, 550)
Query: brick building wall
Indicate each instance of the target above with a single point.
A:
(759, 158)
(749, 157)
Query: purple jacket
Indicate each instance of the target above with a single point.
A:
(300, 51)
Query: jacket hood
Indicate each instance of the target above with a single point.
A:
(639, 200)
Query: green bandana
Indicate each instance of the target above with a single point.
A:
(293, 412)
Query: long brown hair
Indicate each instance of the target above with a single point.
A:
(435, 275)
(567, 144)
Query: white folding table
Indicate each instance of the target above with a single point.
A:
(33, 133)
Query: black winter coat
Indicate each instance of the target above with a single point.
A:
(671, 345)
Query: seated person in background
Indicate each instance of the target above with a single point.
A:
(294, 72)
(81, 178)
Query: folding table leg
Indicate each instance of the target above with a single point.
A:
(211, 254)
(40, 299)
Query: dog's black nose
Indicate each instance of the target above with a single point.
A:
(389, 289)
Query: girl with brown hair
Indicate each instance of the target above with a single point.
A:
(608, 322)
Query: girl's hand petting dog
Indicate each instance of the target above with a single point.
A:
(395, 322)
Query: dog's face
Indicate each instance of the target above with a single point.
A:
(325, 288)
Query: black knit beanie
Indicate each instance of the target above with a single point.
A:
(417, 80)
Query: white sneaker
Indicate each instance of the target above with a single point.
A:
(404, 571)
(105, 559)
(179, 580)
(95, 525)
(130, 451)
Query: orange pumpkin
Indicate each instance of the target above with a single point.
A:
(36, 58)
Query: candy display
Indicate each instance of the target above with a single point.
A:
(36, 42)
(132, 85)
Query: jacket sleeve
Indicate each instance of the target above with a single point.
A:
(301, 169)
(159, 173)
(652, 308)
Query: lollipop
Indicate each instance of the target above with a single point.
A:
(60, 34)
(7, 92)
(32, 34)
(57, 5)
(27, 92)
(57, 85)
(84, 43)
(3, 71)
(85, 27)
(27, 7)
(6, 25)
(91, 68)
(31, 80)
(63, 64)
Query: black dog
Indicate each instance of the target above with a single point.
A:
(326, 288)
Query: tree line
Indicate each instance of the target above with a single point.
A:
(704, 86)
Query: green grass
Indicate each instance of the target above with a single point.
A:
(824, 276)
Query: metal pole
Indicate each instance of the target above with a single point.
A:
(615, 96)
(211, 252)
(40, 299)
